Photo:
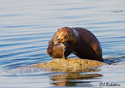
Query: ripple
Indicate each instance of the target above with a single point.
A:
(26, 27)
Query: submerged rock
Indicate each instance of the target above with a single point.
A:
(69, 64)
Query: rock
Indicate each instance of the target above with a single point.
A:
(69, 64)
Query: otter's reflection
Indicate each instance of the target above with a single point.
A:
(75, 78)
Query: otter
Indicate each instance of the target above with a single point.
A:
(78, 41)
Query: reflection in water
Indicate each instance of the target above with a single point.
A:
(76, 78)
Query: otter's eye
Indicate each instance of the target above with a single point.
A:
(66, 36)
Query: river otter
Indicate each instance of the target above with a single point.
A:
(78, 41)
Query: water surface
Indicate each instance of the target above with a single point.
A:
(27, 26)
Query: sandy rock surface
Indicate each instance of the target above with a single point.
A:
(69, 64)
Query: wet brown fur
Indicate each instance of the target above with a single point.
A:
(76, 40)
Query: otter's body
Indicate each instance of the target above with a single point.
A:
(79, 41)
(87, 45)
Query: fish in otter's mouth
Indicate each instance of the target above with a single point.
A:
(60, 50)
(56, 51)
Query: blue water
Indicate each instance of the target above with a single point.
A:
(27, 26)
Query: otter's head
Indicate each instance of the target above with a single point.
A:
(65, 35)
(62, 43)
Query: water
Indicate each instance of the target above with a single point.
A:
(27, 26)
